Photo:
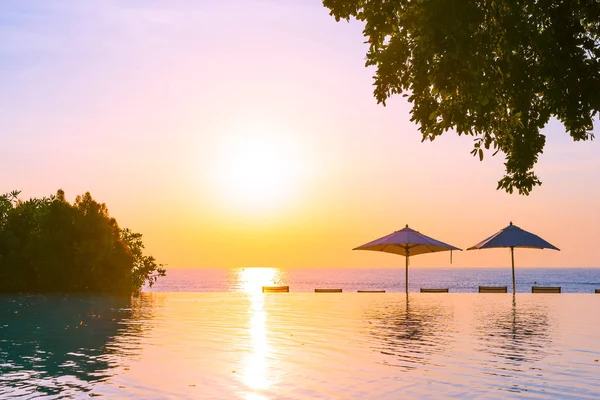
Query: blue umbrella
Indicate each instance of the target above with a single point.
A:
(512, 236)
(407, 242)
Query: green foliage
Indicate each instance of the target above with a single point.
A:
(49, 245)
(145, 269)
(494, 69)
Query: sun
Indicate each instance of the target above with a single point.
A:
(258, 171)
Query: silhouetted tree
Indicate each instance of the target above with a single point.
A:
(49, 245)
(494, 69)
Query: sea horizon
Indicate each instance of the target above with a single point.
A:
(459, 280)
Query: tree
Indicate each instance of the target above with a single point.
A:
(145, 269)
(49, 245)
(494, 69)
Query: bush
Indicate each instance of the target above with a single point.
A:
(49, 245)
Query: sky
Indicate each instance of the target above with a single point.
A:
(245, 133)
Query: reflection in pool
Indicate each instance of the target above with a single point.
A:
(410, 331)
(299, 345)
(517, 334)
(62, 343)
(252, 280)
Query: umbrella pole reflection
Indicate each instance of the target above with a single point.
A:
(514, 315)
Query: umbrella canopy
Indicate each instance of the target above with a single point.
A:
(512, 236)
(406, 242)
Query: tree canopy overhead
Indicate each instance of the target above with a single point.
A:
(494, 69)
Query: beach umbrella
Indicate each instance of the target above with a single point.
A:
(407, 242)
(512, 236)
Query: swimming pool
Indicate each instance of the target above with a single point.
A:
(300, 345)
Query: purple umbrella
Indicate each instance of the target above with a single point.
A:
(407, 242)
(512, 236)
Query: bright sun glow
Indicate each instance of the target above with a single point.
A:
(258, 170)
(251, 280)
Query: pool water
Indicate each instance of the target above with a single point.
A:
(300, 346)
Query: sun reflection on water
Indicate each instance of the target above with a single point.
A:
(251, 280)
(256, 374)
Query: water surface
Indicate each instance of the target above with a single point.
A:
(300, 345)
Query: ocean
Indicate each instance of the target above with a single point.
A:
(456, 280)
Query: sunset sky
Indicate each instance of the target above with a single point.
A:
(245, 133)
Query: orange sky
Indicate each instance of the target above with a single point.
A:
(243, 134)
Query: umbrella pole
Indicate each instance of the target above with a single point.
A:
(512, 256)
